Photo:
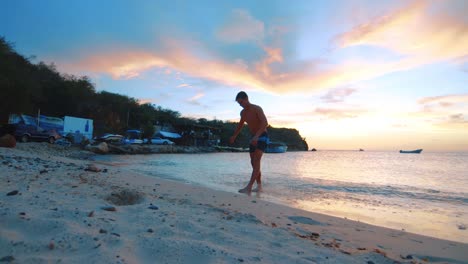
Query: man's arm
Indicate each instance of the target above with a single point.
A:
(238, 129)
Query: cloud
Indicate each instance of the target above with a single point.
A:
(332, 113)
(122, 64)
(184, 85)
(317, 115)
(338, 95)
(449, 112)
(241, 27)
(445, 100)
(180, 57)
(444, 104)
(423, 35)
(194, 99)
(458, 118)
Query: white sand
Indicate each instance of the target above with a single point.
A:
(58, 216)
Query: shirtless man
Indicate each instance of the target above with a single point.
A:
(256, 120)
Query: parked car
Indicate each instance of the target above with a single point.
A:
(133, 141)
(25, 133)
(110, 138)
(133, 136)
(161, 141)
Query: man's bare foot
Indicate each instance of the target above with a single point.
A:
(245, 190)
(258, 189)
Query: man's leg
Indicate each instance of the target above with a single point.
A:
(259, 178)
(255, 159)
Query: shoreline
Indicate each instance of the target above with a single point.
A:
(64, 211)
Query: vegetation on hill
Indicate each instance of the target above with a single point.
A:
(27, 87)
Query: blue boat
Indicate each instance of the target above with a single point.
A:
(416, 151)
(276, 147)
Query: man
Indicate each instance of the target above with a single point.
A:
(256, 120)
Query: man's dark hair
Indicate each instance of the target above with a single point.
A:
(241, 95)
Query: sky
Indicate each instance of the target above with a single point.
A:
(348, 74)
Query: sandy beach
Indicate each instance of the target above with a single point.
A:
(56, 206)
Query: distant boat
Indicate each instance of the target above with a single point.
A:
(361, 150)
(416, 151)
(276, 147)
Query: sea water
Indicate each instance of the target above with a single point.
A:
(423, 193)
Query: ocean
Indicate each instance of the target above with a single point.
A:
(423, 193)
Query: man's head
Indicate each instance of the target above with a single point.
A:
(242, 98)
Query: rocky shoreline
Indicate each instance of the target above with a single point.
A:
(106, 148)
(78, 152)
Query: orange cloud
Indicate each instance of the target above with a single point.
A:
(445, 100)
(339, 113)
(420, 37)
(415, 31)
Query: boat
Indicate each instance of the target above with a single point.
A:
(361, 149)
(416, 151)
(276, 147)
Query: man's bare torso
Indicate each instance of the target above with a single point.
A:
(253, 116)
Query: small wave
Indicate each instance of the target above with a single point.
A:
(403, 192)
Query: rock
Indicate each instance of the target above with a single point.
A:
(109, 208)
(150, 230)
(93, 168)
(117, 149)
(15, 192)
(7, 259)
(153, 207)
(101, 148)
(102, 231)
(406, 257)
(7, 141)
(125, 197)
